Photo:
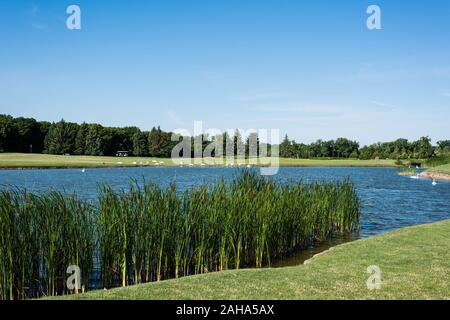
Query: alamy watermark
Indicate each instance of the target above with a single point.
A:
(74, 280)
(374, 281)
(73, 22)
(225, 149)
(374, 19)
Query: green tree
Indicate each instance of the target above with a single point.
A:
(443, 144)
(155, 142)
(443, 148)
(238, 144)
(39, 138)
(286, 148)
(60, 138)
(94, 140)
(344, 148)
(426, 150)
(139, 144)
(253, 145)
(6, 129)
(80, 140)
(25, 129)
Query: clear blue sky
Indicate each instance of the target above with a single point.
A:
(309, 68)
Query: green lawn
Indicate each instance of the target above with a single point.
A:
(441, 169)
(286, 162)
(415, 264)
(19, 160)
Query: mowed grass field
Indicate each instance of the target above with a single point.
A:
(20, 160)
(23, 160)
(414, 264)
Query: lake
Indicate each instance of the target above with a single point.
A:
(389, 201)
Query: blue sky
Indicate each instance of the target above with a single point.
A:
(309, 68)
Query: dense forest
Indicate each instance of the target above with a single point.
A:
(344, 148)
(28, 135)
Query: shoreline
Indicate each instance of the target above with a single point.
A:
(23, 161)
(344, 261)
(435, 175)
(24, 168)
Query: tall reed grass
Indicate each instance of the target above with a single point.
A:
(148, 233)
(40, 236)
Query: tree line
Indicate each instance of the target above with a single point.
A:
(345, 148)
(27, 135)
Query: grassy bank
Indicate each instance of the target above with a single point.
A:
(149, 233)
(437, 173)
(415, 264)
(24, 160)
(445, 169)
(21, 160)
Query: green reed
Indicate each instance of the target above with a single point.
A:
(148, 233)
(40, 236)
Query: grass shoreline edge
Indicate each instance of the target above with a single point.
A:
(409, 272)
(437, 173)
(22, 161)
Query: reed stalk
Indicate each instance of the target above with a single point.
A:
(148, 233)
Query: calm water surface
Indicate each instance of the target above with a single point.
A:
(389, 201)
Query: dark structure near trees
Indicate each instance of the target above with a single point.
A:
(122, 154)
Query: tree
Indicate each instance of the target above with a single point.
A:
(198, 145)
(228, 145)
(6, 128)
(94, 140)
(160, 143)
(286, 150)
(61, 138)
(80, 140)
(122, 139)
(139, 144)
(26, 134)
(238, 144)
(443, 144)
(20, 135)
(25, 129)
(327, 149)
(426, 150)
(155, 142)
(253, 145)
(443, 148)
(39, 139)
(345, 147)
(366, 153)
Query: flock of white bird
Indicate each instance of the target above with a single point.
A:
(156, 163)
(160, 163)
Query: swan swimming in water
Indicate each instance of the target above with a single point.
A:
(434, 183)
